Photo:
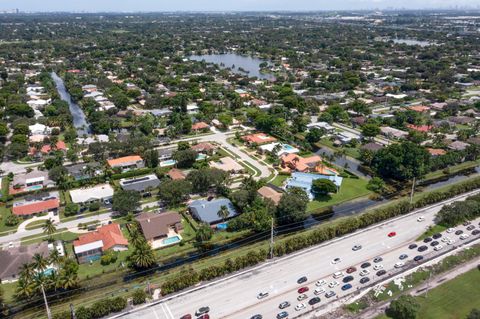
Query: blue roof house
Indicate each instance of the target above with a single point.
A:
(207, 211)
(305, 180)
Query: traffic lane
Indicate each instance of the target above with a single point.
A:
(317, 264)
(389, 260)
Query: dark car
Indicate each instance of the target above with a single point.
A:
(475, 232)
(365, 265)
(257, 317)
(459, 232)
(381, 272)
(412, 246)
(364, 280)
(403, 256)
(146, 194)
(437, 236)
(301, 280)
(282, 315)
(202, 311)
(471, 227)
(377, 259)
(346, 287)
(418, 258)
(188, 316)
(427, 240)
(302, 290)
(284, 305)
(204, 316)
(466, 223)
(351, 269)
(422, 248)
(434, 243)
(347, 279)
(313, 301)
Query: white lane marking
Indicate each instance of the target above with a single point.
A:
(163, 309)
(169, 311)
(155, 313)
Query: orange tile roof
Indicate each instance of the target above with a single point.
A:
(123, 160)
(436, 151)
(200, 126)
(176, 174)
(110, 235)
(420, 128)
(259, 138)
(300, 163)
(35, 208)
(419, 108)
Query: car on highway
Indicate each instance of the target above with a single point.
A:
(364, 280)
(450, 230)
(403, 256)
(282, 315)
(381, 272)
(466, 223)
(319, 291)
(300, 306)
(338, 274)
(347, 279)
(377, 259)
(187, 316)
(333, 284)
(434, 243)
(262, 295)
(202, 310)
(450, 242)
(437, 236)
(256, 317)
(313, 301)
(378, 267)
(346, 287)
(446, 239)
(392, 234)
(320, 282)
(284, 305)
(301, 280)
(364, 272)
(302, 290)
(475, 232)
(420, 219)
(336, 261)
(471, 227)
(439, 247)
(418, 258)
(204, 316)
(422, 248)
(302, 297)
(459, 232)
(399, 264)
(330, 294)
(427, 240)
(464, 236)
(351, 270)
(365, 265)
(356, 247)
(412, 246)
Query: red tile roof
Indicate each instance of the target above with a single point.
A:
(419, 108)
(36, 207)
(124, 160)
(176, 174)
(436, 151)
(110, 235)
(200, 126)
(420, 128)
(259, 138)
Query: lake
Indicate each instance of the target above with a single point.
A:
(236, 62)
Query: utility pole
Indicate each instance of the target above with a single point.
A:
(49, 314)
(413, 189)
(428, 284)
(271, 241)
(72, 312)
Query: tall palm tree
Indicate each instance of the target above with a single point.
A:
(55, 257)
(223, 213)
(49, 228)
(143, 256)
(25, 289)
(68, 280)
(27, 271)
(40, 263)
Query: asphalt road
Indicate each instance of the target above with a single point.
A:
(236, 297)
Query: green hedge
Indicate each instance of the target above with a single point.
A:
(98, 310)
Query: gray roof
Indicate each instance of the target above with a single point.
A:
(79, 169)
(207, 211)
(12, 259)
(140, 184)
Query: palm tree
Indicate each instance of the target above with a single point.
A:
(40, 263)
(223, 213)
(55, 257)
(143, 256)
(49, 228)
(68, 279)
(25, 289)
(27, 271)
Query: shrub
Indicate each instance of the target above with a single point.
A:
(94, 206)
(11, 220)
(139, 296)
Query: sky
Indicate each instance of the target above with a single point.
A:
(227, 5)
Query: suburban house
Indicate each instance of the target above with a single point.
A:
(269, 193)
(165, 154)
(372, 147)
(420, 128)
(279, 148)
(36, 204)
(35, 180)
(48, 149)
(227, 164)
(391, 132)
(295, 162)
(322, 126)
(91, 246)
(103, 193)
(127, 162)
(207, 211)
(458, 146)
(161, 229)
(140, 184)
(436, 151)
(200, 126)
(84, 170)
(305, 180)
(39, 129)
(205, 148)
(176, 174)
(258, 139)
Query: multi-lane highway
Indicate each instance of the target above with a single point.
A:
(236, 297)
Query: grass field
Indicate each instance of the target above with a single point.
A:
(351, 189)
(278, 181)
(452, 169)
(432, 230)
(349, 151)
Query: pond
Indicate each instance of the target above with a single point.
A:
(239, 64)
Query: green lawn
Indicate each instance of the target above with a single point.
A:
(61, 234)
(278, 181)
(432, 230)
(452, 169)
(349, 151)
(351, 188)
(35, 224)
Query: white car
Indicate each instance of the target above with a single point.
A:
(320, 282)
(450, 230)
(336, 261)
(464, 236)
(438, 247)
(399, 264)
(262, 295)
(356, 247)
(364, 273)
(300, 306)
(420, 219)
(302, 297)
(333, 284)
(446, 239)
(450, 242)
(319, 291)
(378, 267)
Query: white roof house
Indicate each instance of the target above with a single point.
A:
(39, 129)
(92, 194)
(88, 247)
(38, 103)
(322, 125)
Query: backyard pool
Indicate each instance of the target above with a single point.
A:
(168, 163)
(33, 187)
(201, 157)
(171, 240)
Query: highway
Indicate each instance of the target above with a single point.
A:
(236, 297)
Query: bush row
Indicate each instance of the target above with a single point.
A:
(99, 309)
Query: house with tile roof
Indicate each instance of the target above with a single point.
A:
(91, 246)
(294, 162)
(158, 228)
(127, 162)
(38, 204)
(200, 126)
(258, 139)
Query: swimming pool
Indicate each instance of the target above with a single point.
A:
(168, 163)
(48, 271)
(34, 187)
(171, 240)
(201, 157)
